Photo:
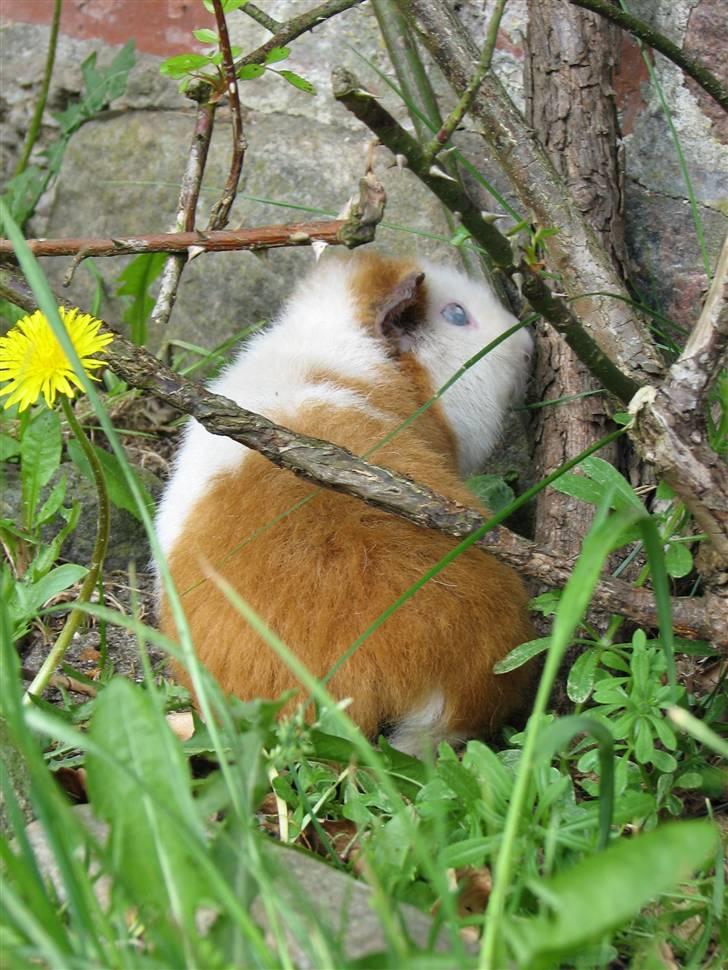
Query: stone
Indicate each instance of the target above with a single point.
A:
(312, 893)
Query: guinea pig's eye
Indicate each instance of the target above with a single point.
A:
(454, 313)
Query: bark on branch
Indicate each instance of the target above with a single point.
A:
(325, 464)
(574, 252)
(657, 41)
(670, 427)
(358, 228)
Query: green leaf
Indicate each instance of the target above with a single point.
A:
(663, 761)
(206, 36)
(547, 603)
(581, 676)
(249, 71)
(664, 492)
(644, 744)
(134, 282)
(605, 890)
(40, 456)
(9, 447)
(276, 54)
(22, 192)
(227, 5)
(559, 733)
(297, 81)
(139, 782)
(182, 64)
(119, 492)
(460, 781)
(607, 475)
(579, 487)
(678, 560)
(104, 86)
(521, 654)
(48, 552)
(492, 490)
(57, 581)
(53, 503)
(691, 779)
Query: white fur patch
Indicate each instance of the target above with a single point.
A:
(478, 401)
(422, 727)
(316, 331)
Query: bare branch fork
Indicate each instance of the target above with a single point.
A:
(197, 157)
(327, 465)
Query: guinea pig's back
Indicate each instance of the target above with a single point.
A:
(321, 567)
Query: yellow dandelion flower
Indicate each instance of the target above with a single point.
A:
(34, 362)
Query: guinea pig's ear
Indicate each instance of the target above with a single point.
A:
(400, 312)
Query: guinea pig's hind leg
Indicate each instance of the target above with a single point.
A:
(423, 727)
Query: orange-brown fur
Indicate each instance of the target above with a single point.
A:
(323, 574)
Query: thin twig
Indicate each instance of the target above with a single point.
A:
(657, 41)
(463, 106)
(186, 213)
(220, 215)
(327, 465)
(262, 18)
(61, 681)
(34, 129)
(224, 240)
(295, 27)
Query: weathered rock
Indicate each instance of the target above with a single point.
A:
(312, 894)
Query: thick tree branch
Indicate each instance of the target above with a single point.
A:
(705, 351)
(262, 18)
(323, 463)
(568, 73)
(574, 252)
(657, 41)
(670, 428)
(558, 313)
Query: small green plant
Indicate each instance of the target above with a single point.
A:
(101, 87)
(208, 68)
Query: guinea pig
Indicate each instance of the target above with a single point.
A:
(360, 345)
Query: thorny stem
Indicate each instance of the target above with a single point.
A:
(32, 136)
(221, 240)
(657, 41)
(463, 106)
(220, 214)
(44, 675)
(295, 27)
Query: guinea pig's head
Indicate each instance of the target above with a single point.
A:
(443, 319)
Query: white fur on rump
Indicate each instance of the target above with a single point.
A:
(318, 330)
